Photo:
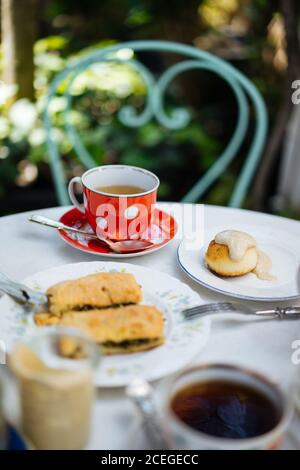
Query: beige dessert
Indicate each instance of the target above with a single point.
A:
(234, 253)
(125, 329)
(94, 291)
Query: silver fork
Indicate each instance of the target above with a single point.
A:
(281, 313)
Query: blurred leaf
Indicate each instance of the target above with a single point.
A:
(196, 135)
(164, 190)
(221, 191)
(50, 43)
(138, 16)
(150, 135)
(97, 45)
(137, 157)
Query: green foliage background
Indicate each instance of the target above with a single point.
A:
(71, 28)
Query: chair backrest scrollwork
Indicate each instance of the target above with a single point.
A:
(245, 93)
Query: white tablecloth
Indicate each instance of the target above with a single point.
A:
(26, 248)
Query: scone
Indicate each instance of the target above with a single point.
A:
(125, 329)
(94, 291)
(218, 260)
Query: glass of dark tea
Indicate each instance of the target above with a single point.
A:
(223, 407)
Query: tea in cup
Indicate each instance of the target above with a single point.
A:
(223, 407)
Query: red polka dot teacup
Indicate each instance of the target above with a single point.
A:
(117, 216)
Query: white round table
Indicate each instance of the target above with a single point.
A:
(26, 248)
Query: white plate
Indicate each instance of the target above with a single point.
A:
(282, 247)
(184, 340)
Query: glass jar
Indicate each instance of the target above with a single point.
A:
(54, 371)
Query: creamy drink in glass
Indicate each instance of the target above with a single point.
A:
(56, 385)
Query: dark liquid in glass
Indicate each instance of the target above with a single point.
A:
(225, 409)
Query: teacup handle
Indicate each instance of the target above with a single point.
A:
(71, 189)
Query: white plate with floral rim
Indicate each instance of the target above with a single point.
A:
(184, 340)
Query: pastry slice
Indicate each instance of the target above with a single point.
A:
(94, 291)
(120, 330)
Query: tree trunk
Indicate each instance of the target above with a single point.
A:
(290, 14)
(18, 23)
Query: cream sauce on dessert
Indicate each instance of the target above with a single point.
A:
(263, 266)
(238, 243)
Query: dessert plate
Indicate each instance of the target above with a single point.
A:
(163, 229)
(283, 249)
(184, 340)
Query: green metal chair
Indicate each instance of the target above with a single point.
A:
(245, 93)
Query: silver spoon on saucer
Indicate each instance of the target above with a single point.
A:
(125, 246)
